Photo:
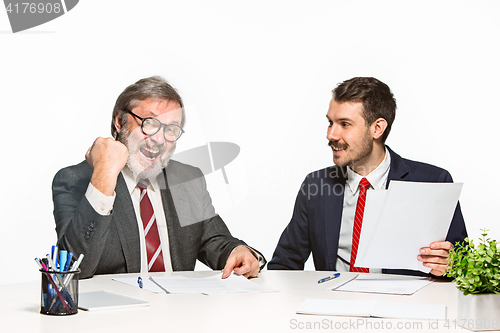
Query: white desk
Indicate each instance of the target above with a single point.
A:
(262, 312)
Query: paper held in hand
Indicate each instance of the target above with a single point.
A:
(399, 221)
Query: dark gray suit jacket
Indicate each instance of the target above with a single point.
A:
(111, 243)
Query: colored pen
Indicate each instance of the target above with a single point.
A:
(42, 264)
(68, 261)
(328, 278)
(38, 262)
(58, 277)
(51, 264)
(55, 251)
(73, 268)
(77, 263)
(152, 280)
(63, 256)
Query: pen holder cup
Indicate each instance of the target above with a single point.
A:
(59, 293)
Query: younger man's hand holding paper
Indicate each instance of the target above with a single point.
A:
(435, 257)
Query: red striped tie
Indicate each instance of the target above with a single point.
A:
(153, 243)
(358, 221)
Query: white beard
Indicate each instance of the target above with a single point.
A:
(144, 169)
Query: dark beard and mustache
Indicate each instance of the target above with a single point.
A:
(337, 145)
(363, 150)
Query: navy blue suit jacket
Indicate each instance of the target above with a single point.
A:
(317, 215)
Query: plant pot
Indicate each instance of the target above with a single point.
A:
(478, 312)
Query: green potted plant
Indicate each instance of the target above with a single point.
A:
(476, 271)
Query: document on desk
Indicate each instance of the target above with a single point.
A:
(330, 307)
(399, 221)
(209, 285)
(107, 300)
(384, 284)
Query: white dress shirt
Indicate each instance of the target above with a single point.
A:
(378, 181)
(104, 204)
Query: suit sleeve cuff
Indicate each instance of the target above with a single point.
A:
(101, 203)
(257, 255)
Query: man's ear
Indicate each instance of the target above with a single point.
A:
(118, 123)
(378, 128)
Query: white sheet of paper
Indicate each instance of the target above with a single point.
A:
(384, 284)
(409, 311)
(107, 300)
(146, 284)
(399, 221)
(379, 309)
(208, 285)
(328, 307)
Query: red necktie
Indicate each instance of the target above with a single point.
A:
(153, 244)
(358, 221)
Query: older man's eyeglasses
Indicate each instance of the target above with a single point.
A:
(151, 126)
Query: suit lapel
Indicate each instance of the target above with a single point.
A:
(173, 225)
(333, 204)
(126, 224)
(398, 170)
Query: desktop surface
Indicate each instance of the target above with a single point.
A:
(253, 312)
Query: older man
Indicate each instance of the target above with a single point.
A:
(129, 208)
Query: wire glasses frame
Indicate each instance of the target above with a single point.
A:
(150, 126)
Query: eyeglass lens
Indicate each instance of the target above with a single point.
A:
(151, 126)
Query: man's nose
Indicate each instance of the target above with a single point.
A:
(333, 133)
(158, 137)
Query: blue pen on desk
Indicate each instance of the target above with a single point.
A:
(328, 278)
(139, 281)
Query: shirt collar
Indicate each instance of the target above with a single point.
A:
(377, 177)
(131, 181)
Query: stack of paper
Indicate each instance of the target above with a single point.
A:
(379, 309)
(107, 300)
(384, 284)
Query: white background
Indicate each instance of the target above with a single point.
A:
(258, 74)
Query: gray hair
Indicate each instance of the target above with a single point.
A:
(151, 87)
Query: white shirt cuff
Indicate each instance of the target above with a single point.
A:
(101, 203)
(255, 254)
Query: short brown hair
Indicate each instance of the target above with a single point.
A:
(151, 87)
(377, 98)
